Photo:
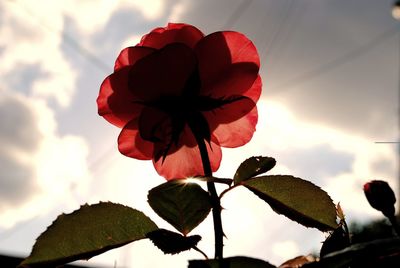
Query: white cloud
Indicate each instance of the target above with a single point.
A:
(32, 35)
(151, 9)
(54, 167)
(177, 11)
(61, 166)
(131, 41)
(286, 249)
(91, 15)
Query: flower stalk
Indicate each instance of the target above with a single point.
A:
(215, 201)
(395, 224)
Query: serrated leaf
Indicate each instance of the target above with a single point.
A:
(297, 199)
(86, 232)
(337, 240)
(339, 212)
(232, 262)
(171, 242)
(252, 167)
(184, 205)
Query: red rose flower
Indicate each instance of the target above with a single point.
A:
(178, 86)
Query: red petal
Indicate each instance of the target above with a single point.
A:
(173, 33)
(132, 145)
(239, 132)
(254, 92)
(230, 111)
(130, 55)
(233, 124)
(184, 160)
(115, 102)
(163, 73)
(237, 79)
(228, 64)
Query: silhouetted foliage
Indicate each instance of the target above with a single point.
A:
(377, 229)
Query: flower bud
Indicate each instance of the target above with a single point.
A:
(380, 196)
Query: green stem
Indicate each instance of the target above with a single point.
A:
(201, 252)
(395, 225)
(227, 190)
(216, 204)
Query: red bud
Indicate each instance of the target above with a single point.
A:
(380, 196)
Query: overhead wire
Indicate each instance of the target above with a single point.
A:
(236, 14)
(275, 59)
(84, 52)
(336, 62)
(269, 46)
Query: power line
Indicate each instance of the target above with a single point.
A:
(284, 18)
(276, 58)
(236, 14)
(92, 58)
(324, 68)
(69, 40)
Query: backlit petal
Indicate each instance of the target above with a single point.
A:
(254, 92)
(185, 161)
(115, 101)
(236, 79)
(173, 33)
(238, 132)
(131, 55)
(131, 144)
(229, 112)
(228, 64)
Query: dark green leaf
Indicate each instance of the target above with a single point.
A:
(252, 167)
(87, 232)
(232, 262)
(376, 253)
(297, 199)
(184, 205)
(171, 242)
(337, 240)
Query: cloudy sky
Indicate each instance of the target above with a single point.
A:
(330, 73)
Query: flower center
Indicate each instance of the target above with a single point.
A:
(165, 119)
(175, 112)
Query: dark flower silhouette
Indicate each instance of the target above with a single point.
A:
(380, 196)
(177, 87)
